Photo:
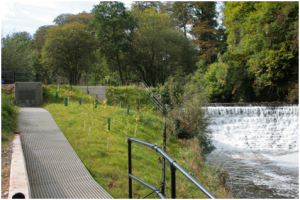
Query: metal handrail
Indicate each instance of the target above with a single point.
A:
(174, 167)
(154, 97)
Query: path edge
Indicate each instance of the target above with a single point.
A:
(19, 182)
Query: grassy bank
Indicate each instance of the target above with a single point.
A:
(104, 153)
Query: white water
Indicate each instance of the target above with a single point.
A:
(258, 146)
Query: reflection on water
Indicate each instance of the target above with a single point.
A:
(258, 147)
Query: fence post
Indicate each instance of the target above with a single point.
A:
(129, 169)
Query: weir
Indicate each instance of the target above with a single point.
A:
(258, 146)
(258, 127)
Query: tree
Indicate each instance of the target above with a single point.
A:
(265, 36)
(39, 37)
(67, 18)
(159, 50)
(69, 50)
(205, 31)
(143, 5)
(16, 54)
(113, 26)
(180, 14)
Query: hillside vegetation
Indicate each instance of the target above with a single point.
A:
(104, 153)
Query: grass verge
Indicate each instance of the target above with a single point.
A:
(8, 125)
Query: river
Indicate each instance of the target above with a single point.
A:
(258, 147)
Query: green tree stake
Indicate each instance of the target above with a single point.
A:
(108, 123)
(127, 109)
(79, 100)
(120, 104)
(96, 102)
(66, 101)
(96, 96)
(107, 102)
(56, 95)
(88, 92)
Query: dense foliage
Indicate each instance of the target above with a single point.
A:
(69, 50)
(16, 53)
(239, 51)
(8, 116)
(261, 63)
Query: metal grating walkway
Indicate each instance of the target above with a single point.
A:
(54, 169)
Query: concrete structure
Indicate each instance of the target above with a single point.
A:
(18, 173)
(54, 169)
(28, 94)
(93, 90)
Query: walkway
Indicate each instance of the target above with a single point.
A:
(54, 169)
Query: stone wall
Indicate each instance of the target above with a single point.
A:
(95, 90)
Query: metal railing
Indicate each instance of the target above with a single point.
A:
(174, 166)
(10, 77)
(155, 99)
(162, 108)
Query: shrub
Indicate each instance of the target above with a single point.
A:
(8, 116)
(187, 117)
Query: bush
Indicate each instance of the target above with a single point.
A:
(8, 116)
(187, 117)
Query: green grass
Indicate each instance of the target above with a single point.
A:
(86, 129)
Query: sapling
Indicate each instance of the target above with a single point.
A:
(89, 132)
(137, 119)
(115, 114)
(126, 131)
(108, 134)
(104, 103)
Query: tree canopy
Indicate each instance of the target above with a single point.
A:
(113, 26)
(237, 51)
(265, 36)
(16, 53)
(69, 50)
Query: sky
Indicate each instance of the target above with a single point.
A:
(28, 15)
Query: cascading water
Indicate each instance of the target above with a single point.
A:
(258, 146)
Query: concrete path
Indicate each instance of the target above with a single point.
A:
(54, 169)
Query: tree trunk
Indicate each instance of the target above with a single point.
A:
(119, 68)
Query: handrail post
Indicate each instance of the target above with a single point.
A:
(129, 169)
(163, 158)
(173, 181)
